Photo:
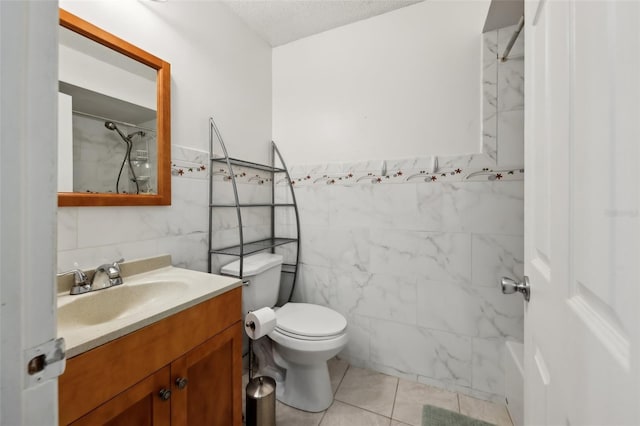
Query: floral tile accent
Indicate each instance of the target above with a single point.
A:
(460, 170)
(193, 163)
(188, 162)
(241, 174)
(189, 170)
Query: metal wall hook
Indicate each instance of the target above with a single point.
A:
(424, 176)
(373, 179)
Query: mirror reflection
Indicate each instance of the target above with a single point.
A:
(108, 119)
(115, 120)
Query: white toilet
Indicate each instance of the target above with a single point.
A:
(305, 338)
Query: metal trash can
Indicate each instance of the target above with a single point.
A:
(261, 402)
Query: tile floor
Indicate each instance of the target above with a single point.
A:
(368, 398)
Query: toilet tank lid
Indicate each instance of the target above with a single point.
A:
(253, 265)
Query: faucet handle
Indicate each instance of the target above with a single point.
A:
(117, 263)
(79, 277)
(81, 283)
(111, 269)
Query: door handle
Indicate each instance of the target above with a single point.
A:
(510, 286)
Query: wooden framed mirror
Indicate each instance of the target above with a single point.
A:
(152, 188)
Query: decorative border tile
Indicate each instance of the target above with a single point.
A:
(189, 162)
(193, 163)
(417, 170)
(243, 175)
(182, 169)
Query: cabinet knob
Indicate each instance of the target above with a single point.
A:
(181, 382)
(164, 394)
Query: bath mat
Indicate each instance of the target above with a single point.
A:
(435, 416)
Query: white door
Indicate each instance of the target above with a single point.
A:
(28, 152)
(582, 138)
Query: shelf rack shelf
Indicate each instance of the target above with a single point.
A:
(254, 205)
(253, 246)
(245, 248)
(249, 164)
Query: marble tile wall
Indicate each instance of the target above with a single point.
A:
(414, 267)
(98, 153)
(503, 98)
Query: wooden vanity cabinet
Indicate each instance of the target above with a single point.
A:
(206, 398)
(138, 405)
(196, 355)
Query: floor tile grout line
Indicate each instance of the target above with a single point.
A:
(341, 380)
(395, 397)
(509, 414)
(363, 409)
(324, 414)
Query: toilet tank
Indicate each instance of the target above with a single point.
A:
(262, 271)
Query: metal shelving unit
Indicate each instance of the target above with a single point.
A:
(245, 248)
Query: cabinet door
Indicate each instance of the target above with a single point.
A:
(212, 394)
(140, 405)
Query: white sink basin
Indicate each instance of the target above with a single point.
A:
(117, 302)
(92, 319)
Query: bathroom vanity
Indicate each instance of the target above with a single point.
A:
(173, 365)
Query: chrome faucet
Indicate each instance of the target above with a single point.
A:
(112, 270)
(81, 283)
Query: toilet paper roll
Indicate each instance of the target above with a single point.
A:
(260, 322)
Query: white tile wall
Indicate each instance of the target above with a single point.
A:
(415, 268)
(495, 256)
(411, 349)
(477, 207)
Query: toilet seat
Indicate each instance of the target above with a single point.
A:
(306, 321)
(307, 346)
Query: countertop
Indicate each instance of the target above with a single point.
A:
(178, 289)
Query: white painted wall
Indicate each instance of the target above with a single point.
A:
(77, 68)
(402, 84)
(218, 67)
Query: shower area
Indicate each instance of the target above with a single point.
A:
(112, 157)
(107, 119)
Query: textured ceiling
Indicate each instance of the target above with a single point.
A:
(282, 21)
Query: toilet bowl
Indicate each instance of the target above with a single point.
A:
(305, 337)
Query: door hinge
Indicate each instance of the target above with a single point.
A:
(44, 362)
